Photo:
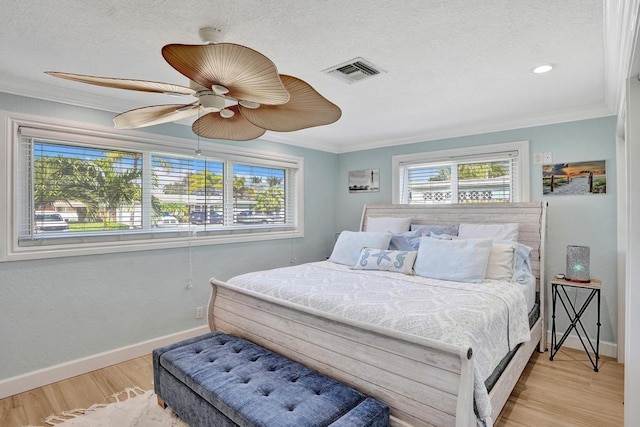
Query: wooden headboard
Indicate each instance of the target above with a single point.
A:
(531, 219)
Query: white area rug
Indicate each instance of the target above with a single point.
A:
(131, 407)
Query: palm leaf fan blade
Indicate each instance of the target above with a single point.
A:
(236, 128)
(154, 115)
(246, 73)
(129, 84)
(306, 108)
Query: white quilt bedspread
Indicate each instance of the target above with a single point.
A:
(490, 317)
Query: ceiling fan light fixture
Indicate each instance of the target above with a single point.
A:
(250, 105)
(211, 102)
(219, 89)
(226, 113)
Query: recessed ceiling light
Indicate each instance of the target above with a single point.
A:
(540, 69)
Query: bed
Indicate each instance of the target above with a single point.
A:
(425, 379)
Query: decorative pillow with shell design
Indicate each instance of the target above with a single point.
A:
(380, 259)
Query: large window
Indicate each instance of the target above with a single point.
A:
(78, 191)
(488, 174)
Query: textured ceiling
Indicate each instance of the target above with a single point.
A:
(453, 67)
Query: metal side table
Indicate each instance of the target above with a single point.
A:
(558, 289)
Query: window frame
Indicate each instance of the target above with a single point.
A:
(150, 144)
(468, 153)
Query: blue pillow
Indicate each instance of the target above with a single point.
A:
(407, 241)
(456, 260)
(426, 230)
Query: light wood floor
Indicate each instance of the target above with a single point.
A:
(32, 407)
(565, 392)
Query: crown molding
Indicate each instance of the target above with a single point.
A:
(596, 111)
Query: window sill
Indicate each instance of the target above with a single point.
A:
(49, 249)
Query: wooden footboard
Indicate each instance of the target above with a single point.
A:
(424, 382)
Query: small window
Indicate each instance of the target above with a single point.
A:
(488, 174)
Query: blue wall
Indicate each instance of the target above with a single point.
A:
(588, 220)
(57, 310)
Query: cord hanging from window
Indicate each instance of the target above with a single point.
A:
(198, 150)
(193, 232)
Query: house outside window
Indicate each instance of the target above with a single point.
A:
(496, 173)
(79, 191)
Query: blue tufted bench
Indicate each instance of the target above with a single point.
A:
(222, 380)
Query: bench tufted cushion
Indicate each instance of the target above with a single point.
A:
(253, 386)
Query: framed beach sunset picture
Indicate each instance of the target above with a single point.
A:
(562, 179)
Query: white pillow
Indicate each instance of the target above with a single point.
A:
(489, 231)
(379, 259)
(388, 224)
(521, 262)
(456, 260)
(501, 261)
(350, 243)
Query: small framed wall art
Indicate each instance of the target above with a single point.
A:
(364, 181)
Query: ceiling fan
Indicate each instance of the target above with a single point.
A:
(240, 94)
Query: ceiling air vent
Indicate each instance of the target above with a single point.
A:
(354, 71)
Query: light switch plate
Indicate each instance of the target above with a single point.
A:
(538, 158)
(547, 158)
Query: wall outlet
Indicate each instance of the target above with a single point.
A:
(199, 312)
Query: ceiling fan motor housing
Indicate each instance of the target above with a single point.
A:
(211, 102)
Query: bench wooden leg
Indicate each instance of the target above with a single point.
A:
(161, 403)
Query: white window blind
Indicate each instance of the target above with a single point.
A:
(191, 190)
(485, 176)
(93, 190)
(260, 195)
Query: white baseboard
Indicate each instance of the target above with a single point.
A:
(608, 349)
(41, 377)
